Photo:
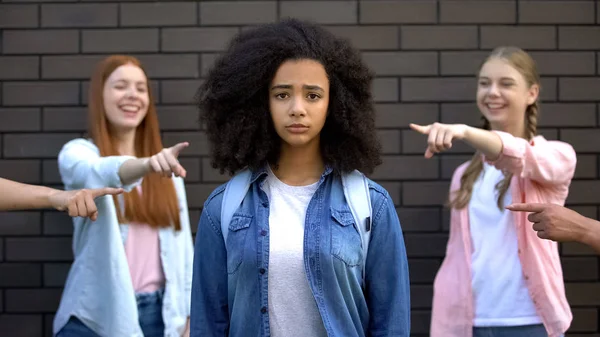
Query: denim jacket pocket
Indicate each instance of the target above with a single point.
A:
(236, 240)
(346, 244)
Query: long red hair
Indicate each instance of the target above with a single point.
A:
(158, 205)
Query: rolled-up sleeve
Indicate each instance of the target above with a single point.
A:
(543, 161)
(81, 166)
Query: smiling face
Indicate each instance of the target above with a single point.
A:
(126, 97)
(298, 101)
(503, 94)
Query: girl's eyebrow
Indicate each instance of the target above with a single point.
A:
(126, 81)
(502, 78)
(288, 86)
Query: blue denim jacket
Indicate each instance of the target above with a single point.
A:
(229, 286)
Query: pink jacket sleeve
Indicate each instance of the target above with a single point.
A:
(543, 161)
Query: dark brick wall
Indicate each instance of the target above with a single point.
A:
(424, 52)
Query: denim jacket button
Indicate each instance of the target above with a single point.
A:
(263, 310)
(263, 232)
(262, 270)
(265, 204)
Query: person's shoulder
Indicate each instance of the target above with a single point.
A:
(377, 193)
(566, 150)
(79, 144)
(77, 149)
(541, 140)
(213, 203)
(216, 196)
(377, 189)
(381, 199)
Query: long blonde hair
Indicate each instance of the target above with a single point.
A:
(523, 63)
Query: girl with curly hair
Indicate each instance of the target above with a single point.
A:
(291, 103)
(498, 278)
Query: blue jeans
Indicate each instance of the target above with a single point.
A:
(536, 330)
(150, 319)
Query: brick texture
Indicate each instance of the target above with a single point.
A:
(40, 93)
(158, 14)
(120, 40)
(424, 53)
(18, 16)
(325, 12)
(553, 12)
(438, 37)
(21, 223)
(390, 12)
(196, 39)
(20, 119)
(402, 63)
(237, 13)
(40, 41)
(69, 66)
(19, 67)
(527, 37)
(473, 11)
(370, 37)
(21, 325)
(79, 15)
(579, 37)
(27, 171)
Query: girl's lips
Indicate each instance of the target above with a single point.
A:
(297, 128)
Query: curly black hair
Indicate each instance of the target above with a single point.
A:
(234, 99)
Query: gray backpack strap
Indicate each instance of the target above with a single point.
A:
(356, 191)
(234, 194)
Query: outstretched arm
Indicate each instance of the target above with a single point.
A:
(440, 137)
(164, 163)
(18, 196)
(558, 223)
(81, 166)
(546, 162)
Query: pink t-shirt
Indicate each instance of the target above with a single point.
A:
(142, 248)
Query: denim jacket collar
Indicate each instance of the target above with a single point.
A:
(262, 172)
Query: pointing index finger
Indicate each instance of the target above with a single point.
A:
(98, 192)
(179, 147)
(527, 207)
(420, 128)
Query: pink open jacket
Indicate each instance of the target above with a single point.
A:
(542, 174)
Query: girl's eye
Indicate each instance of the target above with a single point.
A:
(313, 97)
(281, 95)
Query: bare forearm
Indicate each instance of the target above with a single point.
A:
(485, 141)
(133, 170)
(591, 233)
(18, 196)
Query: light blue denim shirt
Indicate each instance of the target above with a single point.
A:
(230, 285)
(99, 290)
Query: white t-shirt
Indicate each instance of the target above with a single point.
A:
(292, 308)
(500, 293)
